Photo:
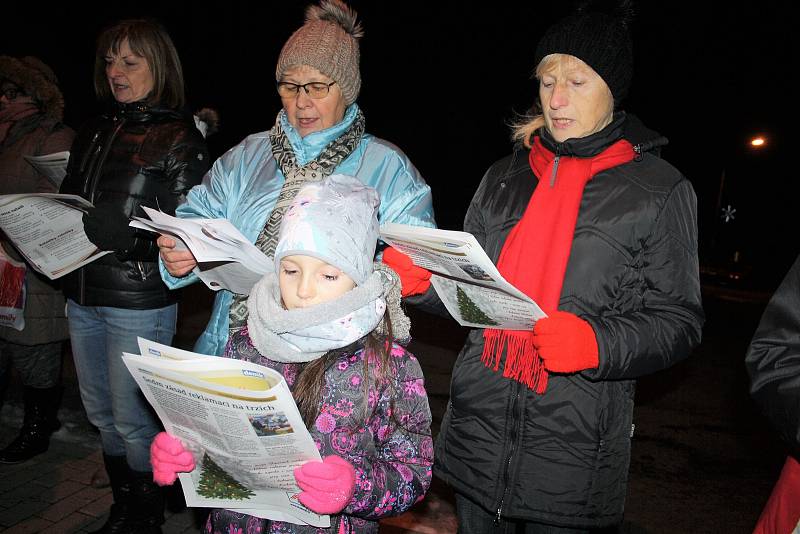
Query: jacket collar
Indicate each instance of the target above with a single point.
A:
(589, 146)
(623, 126)
(643, 138)
(141, 111)
(309, 147)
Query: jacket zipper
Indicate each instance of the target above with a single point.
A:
(92, 148)
(507, 471)
(555, 171)
(555, 165)
(102, 152)
(639, 150)
(102, 159)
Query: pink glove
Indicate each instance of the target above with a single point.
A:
(327, 485)
(169, 457)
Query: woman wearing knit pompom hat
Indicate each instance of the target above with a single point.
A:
(586, 219)
(319, 132)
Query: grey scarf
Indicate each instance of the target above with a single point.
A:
(302, 335)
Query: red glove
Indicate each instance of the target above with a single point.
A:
(169, 457)
(327, 485)
(566, 343)
(413, 279)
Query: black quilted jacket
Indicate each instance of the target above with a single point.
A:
(137, 155)
(562, 457)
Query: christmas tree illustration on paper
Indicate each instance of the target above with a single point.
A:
(470, 311)
(215, 483)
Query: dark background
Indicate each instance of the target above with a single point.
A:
(442, 80)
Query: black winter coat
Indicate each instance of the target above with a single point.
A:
(135, 156)
(773, 360)
(562, 457)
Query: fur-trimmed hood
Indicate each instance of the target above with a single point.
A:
(37, 80)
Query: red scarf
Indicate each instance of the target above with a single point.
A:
(535, 254)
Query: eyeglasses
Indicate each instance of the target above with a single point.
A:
(11, 92)
(313, 89)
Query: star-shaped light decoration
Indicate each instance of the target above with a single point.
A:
(728, 213)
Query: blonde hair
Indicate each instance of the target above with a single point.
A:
(525, 126)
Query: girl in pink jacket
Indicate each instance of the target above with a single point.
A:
(327, 320)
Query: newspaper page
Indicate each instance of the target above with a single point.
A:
(464, 277)
(47, 230)
(240, 421)
(225, 258)
(53, 166)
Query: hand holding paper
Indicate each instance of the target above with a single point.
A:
(414, 280)
(178, 261)
(237, 420)
(327, 485)
(48, 231)
(169, 457)
(107, 228)
(464, 277)
(221, 256)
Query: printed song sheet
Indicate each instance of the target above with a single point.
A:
(242, 425)
(47, 230)
(225, 258)
(465, 279)
(54, 166)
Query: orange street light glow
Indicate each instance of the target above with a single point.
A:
(758, 141)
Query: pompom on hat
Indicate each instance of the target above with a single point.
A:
(336, 221)
(328, 41)
(599, 39)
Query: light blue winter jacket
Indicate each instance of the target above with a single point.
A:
(243, 185)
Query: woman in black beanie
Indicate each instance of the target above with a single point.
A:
(587, 220)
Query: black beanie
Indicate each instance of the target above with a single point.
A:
(601, 41)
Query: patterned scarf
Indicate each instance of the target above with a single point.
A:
(535, 254)
(296, 176)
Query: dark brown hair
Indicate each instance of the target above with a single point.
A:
(148, 39)
(377, 369)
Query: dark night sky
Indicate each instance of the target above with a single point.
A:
(442, 81)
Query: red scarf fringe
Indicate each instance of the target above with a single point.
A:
(535, 261)
(522, 364)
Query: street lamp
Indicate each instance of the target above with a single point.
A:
(728, 213)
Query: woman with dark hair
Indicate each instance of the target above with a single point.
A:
(145, 151)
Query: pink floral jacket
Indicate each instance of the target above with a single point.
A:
(389, 442)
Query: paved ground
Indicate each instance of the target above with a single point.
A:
(703, 459)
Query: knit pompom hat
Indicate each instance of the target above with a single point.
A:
(601, 40)
(328, 41)
(37, 80)
(336, 221)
